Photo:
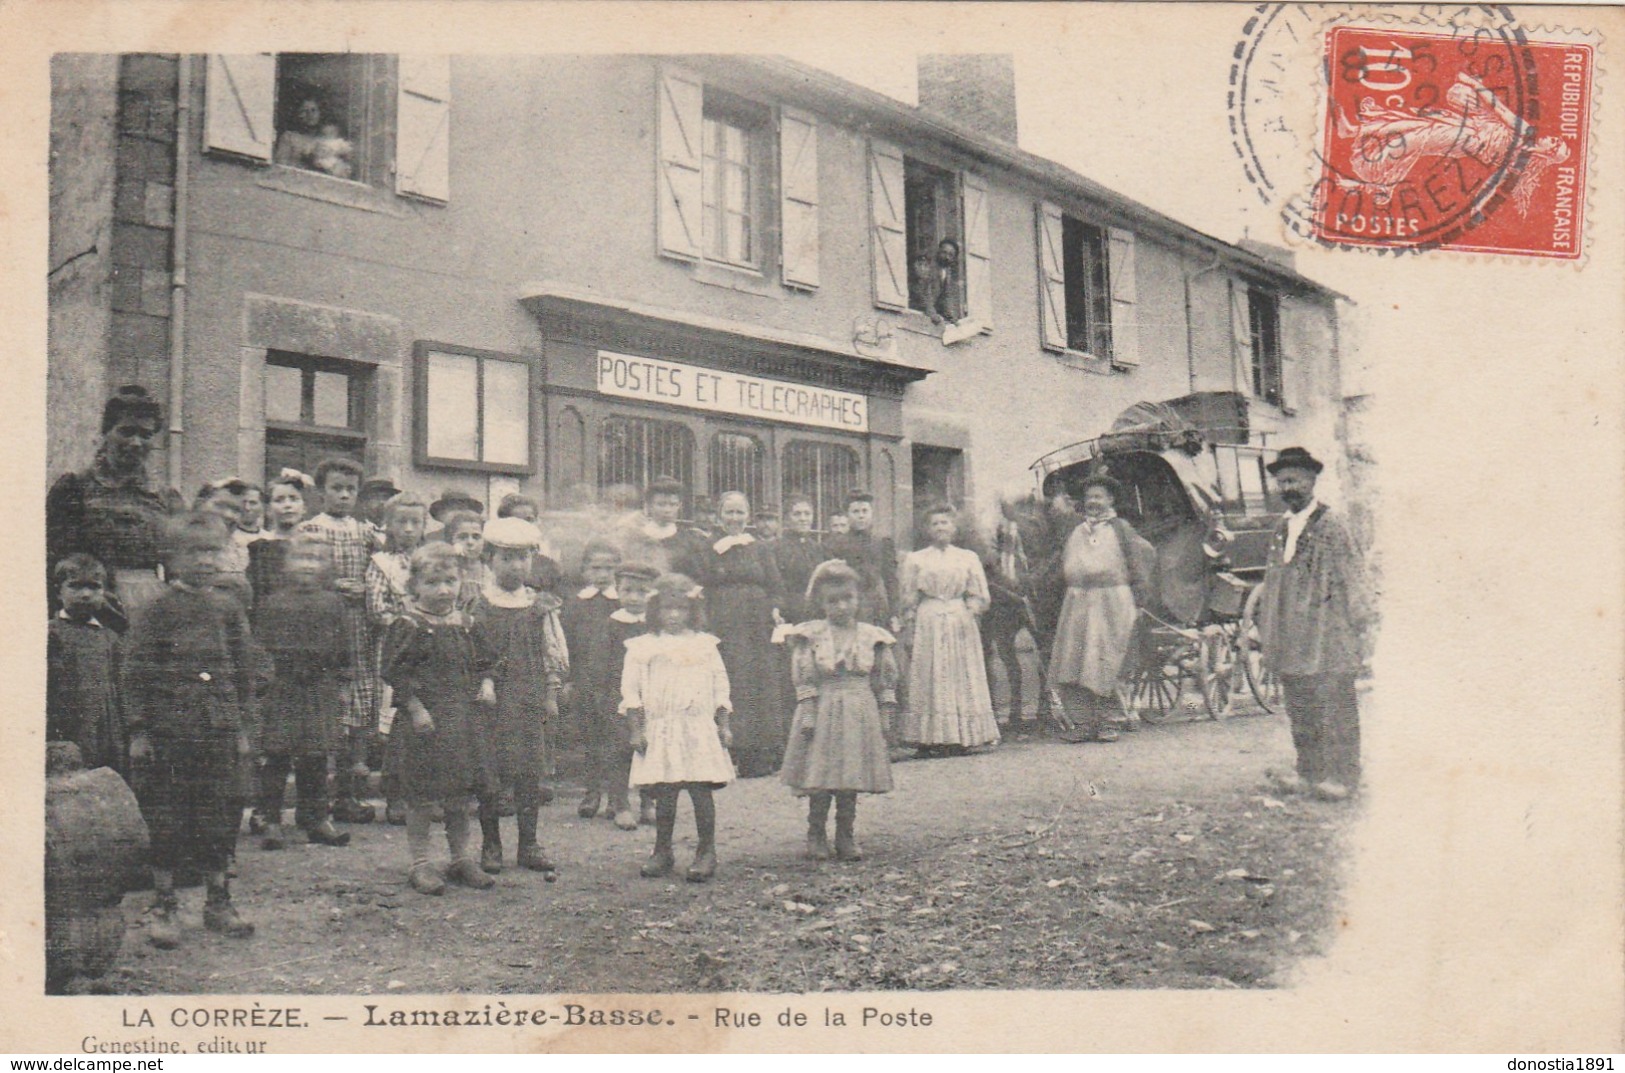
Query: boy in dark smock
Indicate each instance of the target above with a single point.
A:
(189, 688)
(82, 667)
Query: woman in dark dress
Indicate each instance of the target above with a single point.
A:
(798, 551)
(742, 591)
(111, 511)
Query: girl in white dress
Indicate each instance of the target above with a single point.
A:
(674, 692)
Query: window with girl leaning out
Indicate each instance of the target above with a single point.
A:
(375, 120)
(326, 115)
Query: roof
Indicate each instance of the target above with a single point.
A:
(866, 109)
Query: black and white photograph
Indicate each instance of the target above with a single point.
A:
(879, 507)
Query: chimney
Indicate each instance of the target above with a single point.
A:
(976, 90)
(1280, 255)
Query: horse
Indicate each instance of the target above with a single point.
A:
(1022, 560)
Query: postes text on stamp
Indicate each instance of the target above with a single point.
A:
(1472, 141)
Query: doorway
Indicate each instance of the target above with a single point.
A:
(939, 477)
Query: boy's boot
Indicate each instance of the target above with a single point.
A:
(310, 779)
(490, 837)
(348, 807)
(221, 916)
(661, 861)
(591, 802)
(818, 826)
(464, 869)
(164, 931)
(530, 851)
(705, 826)
(846, 817)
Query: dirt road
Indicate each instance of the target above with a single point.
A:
(1158, 861)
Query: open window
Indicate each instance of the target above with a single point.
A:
(377, 120)
(1264, 327)
(1255, 327)
(1087, 287)
(929, 238)
(936, 279)
(323, 111)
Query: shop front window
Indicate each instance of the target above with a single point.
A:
(634, 450)
(738, 463)
(824, 472)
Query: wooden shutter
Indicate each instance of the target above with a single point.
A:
(423, 127)
(1241, 335)
(1307, 346)
(798, 200)
(978, 252)
(680, 128)
(1125, 318)
(888, 230)
(1051, 277)
(239, 105)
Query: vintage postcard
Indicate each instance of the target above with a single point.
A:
(813, 527)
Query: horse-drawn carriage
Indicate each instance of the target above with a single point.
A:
(1193, 484)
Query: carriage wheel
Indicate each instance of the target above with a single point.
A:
(1218, 670)
(1264, 685)
(1151, 695)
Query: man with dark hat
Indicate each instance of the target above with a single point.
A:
(1315, 616)
(874, 558)
(453, 499)
(767, 525)
(369, 503)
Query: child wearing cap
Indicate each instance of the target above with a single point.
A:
(674, 692)
(521, 628)
(545, 574)
(598, 671)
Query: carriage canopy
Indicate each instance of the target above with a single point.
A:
(1194, 485)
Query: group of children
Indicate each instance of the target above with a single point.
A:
(284, 645)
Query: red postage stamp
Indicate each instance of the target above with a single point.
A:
(1463, 141)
